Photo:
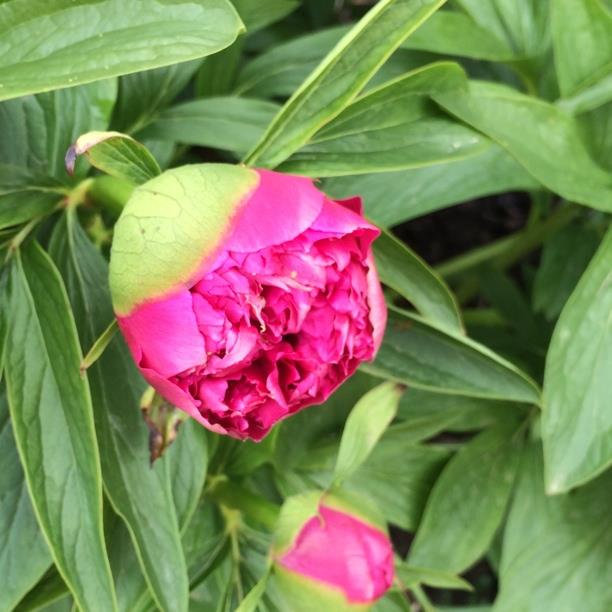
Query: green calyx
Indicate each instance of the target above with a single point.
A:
(170, 227)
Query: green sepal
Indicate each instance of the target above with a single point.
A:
(170, 227)
(300, 594)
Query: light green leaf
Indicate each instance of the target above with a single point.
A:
(142, 496)
(584, 25)
(24, 556)
(115, 154)
(405, 272)
(24, 196)
(524, 25)
(52, 420)
(454, 33)
(565, 256)
(468, 502)
(556, 550)
(37, 130)
(398, 474)
(340, 76)
(228, 123)
(365, 425)
(394, 197)
(427, 357)
(143, 95)
(86, 42)
(412, 575)
(547, 139)
(577, 400)
(279, 71)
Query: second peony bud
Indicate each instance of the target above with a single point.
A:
(244, 295)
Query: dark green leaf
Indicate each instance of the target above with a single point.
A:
(564, 258)
(228, 123)
(421, 355)
(405, 272)
(556, 550)
(86, 42)
(24, 196)
(257, 15)
(340, 76)
(412, 575)
(143, 95)
(577, 400)
(52, 419)
(141, 495)
(394, 197)
(547, 139)
(281, 70)
(37, 130)
(24, 556)
(468, 501)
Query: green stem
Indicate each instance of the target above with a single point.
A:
(110, 193)
(236, 497)
(421, 597)
(99, 346)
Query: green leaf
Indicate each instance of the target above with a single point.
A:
(257, 15)
(393, 197)
(86, 42)
(585, 25)
(279, 71)
(141, 495)
(522, 24)
(188, 462)
(24, 556)
(227, 123)
(405, 272)
(427, 357)
(577, 401)
(468, 502)
(47, 594)
(115, 154)
(143, 95)
(391, 127)
(37, 130)
(340, 76)
(411, 576)
(51, 412)
(556, 550)
(365, 425)
(24, 196)
(454, 33)
(398, 474)
(547, 139)
(565, 256)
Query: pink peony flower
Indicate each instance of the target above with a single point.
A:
(244, 295)
(337, 549)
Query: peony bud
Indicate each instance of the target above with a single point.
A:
(330, 555)
(244, 295)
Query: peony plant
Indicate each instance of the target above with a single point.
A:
(305, 305)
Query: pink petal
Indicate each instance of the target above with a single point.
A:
(343, 217)
(376, 301)
(281, 208)
(342, 551)
(164, 335)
